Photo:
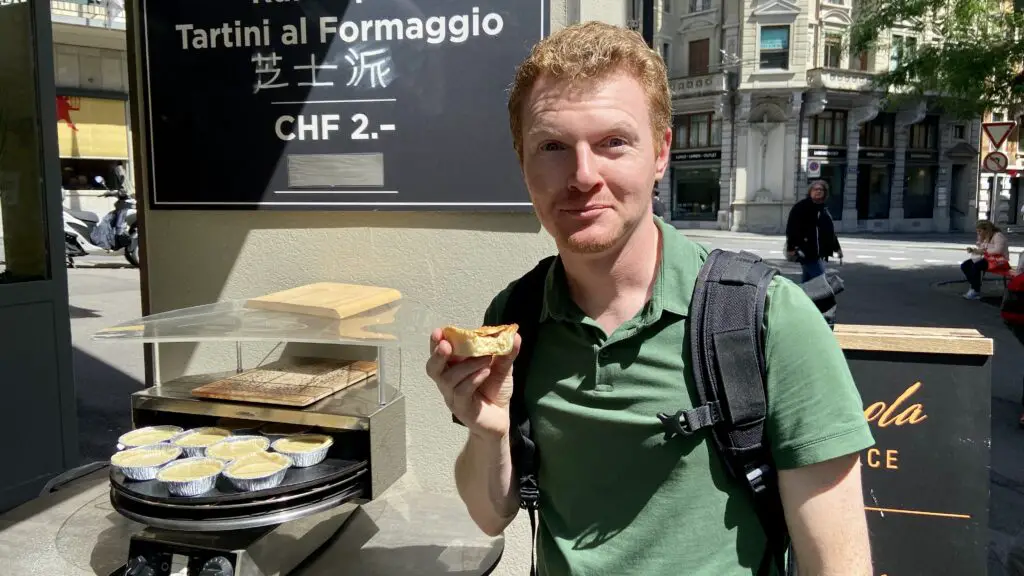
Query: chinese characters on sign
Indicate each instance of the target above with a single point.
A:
(344, 104)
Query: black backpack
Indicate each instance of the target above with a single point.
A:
(726, 315)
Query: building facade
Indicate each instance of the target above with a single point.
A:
(93, 117)
(767, 97)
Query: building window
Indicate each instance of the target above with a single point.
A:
(903, 47)
(697, 192)
(829, 128)
(699, 51)
(700, 5)
(666, 5)
(861, 61)
(774, 48)
(666, 54)
(837, 2)
(878, 132)
(998, 117)
(833, 50)
(874, 185)
(919, 191)
(925, 134)
(960, 132)
(698, 131)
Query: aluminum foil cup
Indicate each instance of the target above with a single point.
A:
(211, 452)
(304, 459)
(144, 472)
(193, 486)
(196, 451)
(126, 440)
(250, 483)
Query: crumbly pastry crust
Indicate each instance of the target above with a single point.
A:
(483, 341)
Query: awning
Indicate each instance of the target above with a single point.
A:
(92, 128)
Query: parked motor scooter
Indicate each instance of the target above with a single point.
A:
(79, 226)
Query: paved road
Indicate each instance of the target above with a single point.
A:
(886, 283)
(880, 253)
(103, 292)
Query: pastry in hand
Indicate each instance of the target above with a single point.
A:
(483, 341)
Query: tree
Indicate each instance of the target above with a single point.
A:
(973, 62)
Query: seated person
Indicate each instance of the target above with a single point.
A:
(992, 252)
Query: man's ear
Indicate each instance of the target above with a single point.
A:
(664, 153)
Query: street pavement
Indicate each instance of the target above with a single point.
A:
(888, 281)
(103, 292)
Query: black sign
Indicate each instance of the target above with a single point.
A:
(926, 479)
(879, 155)
(827, 152)
(341, 104)
(696, 156)
(923, 156)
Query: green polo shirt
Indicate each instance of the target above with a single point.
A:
(616, 497)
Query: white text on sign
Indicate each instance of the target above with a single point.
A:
(321, 126)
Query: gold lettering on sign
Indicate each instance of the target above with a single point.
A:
(899, 413)
(888, 459)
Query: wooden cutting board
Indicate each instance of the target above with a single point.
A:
(289, 381)
(327, 299)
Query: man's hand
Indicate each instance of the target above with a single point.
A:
(476, 390)
(824, 506)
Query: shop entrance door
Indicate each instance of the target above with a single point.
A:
(37, 406)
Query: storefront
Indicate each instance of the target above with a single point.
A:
(696, 167)
(876, 159)
(828, 147)
(696, 184)
(93, 136)
(921, 170)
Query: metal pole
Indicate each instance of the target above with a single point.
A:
(647, 18)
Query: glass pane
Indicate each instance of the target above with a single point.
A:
(716, 132)
(697, 193)
(775, 38)
(835, 175)
(919, 193)
(23, 249)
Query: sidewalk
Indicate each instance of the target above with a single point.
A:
(948, 241)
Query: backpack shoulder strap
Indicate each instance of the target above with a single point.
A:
(524, 308)
(728, 357)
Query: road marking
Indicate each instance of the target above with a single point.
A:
(930, 261)
(897, 258)
(864, 256)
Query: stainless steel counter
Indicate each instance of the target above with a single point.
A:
(76, 532)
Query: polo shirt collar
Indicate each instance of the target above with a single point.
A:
(673, 287)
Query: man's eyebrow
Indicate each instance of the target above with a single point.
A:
(542, 129)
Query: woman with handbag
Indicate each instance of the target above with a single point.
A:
(990, 254)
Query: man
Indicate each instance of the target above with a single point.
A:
(810, 233)
(590, 114)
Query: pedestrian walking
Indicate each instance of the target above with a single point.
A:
(810, 232)
(591, 118)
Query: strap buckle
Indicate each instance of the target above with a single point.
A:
(688, 422)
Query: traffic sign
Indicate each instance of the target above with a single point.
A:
(995, 162)
(813, 168)
(997, 132)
